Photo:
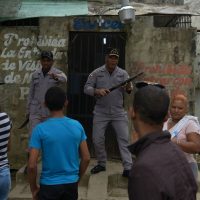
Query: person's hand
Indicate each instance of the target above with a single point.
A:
(128, 87)
(175, 140)
(102, 92)
(54, 76)
(35, 193)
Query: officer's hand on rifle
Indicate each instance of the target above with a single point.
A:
(101, 92)
(128, 87)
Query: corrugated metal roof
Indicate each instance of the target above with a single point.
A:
(18, 9)
(190, 7)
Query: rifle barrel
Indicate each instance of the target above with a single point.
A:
(126, 81)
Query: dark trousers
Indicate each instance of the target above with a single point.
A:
(59, 192)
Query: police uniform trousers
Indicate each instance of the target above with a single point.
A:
(120, 125)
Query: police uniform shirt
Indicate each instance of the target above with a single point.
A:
(100, 78)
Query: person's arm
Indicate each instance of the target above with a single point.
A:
(32, 172)
(85, 158)
(191, 145)
(58, 76)
(90, 87)
(35, 145)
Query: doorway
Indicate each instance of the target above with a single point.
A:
(86, 53)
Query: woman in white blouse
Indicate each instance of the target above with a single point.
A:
(184, 129)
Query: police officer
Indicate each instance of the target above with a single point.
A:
(109, 109)
(42, 79)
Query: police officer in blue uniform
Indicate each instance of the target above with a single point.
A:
(109, 109)
(42, 79)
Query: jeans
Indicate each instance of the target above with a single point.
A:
(194, 168)
(5, 182)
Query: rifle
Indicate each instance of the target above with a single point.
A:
(24, 123)
(2, 83)
(126, 81)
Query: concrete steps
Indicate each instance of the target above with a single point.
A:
(108, 185)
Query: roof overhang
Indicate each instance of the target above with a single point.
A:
(21, 9)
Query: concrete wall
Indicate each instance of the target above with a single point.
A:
(166, 56)
(19, 57)
(196, 22)
(197, 77)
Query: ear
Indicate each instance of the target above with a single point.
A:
(131, 113)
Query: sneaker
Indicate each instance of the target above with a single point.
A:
(97, 169)
(126, 173)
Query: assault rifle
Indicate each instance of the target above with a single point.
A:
(125, 82)
(24, 123)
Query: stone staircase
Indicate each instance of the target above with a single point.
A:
(108, 185)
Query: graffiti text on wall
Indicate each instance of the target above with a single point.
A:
(20, 55)
(175, 77)
(93, 24)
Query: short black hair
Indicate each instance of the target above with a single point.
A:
(152, 103)
(55, 98)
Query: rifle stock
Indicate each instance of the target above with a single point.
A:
(126, 81)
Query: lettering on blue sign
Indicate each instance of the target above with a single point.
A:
(88, 24)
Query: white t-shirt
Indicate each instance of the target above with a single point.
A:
(190, 126)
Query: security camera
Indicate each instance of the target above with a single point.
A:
(126, 14)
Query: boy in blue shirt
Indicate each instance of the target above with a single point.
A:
(65, 155)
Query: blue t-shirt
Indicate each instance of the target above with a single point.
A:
(59, 140)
